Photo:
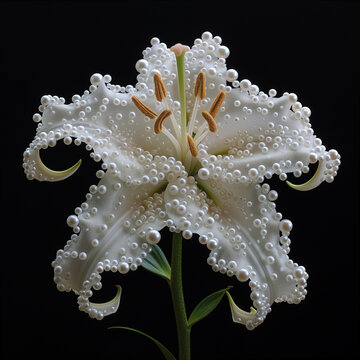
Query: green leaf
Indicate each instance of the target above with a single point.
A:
(206, 306)
(167, 354)
(157, 263)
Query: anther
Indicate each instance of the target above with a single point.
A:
(200, 86)
(215, 107)
(160, 119)
(160, 90)
(143, 108)
(210, 120)
(192, 146)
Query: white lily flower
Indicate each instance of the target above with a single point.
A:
(183, 149)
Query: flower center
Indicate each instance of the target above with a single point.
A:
(183, 136)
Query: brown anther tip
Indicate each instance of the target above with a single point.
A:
(178, 49)
(200, 88)
(143, 108)
(160, 89)
(210, 120)
(215, 107)
(160, 119)
(192, 146)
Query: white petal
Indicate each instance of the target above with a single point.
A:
(245, 242)
(259, 144)
(110, 235)
(107, 121)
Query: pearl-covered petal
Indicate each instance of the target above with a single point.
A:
(250, 240)
(110, 234)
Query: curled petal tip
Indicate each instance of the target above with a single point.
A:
(310, 184)
(108, 307)
(239, 315)
(52, 175)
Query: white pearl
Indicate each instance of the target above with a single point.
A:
(123, 267)
(231, 75)
(153, 237)
(242, 275)
(285, 226)
(72, 221)
(95, 79)
(222, 52)
(82, 256)
(203, 174)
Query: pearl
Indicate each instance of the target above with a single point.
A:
(203, 239)
(231, 75)
(285, 226)
(173, 189)
(45, 100)
(82, 256)
(203, 173)
(123, 268)
(95, 242)
(212, 244)
(72, 221)
(95, 79)
(272, 195)
(36, 118)
(187, 234)
(153, 237)
(243, 275)
(222, 52)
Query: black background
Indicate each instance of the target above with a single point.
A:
(53, 48)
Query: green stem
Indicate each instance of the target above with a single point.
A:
(183, 330)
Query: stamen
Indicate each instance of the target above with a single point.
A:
(201, 135)
(215, 107)
(200, 86)
(192, 146)
(210, 120)
(200, 93)
(160, 90)
(158, 126)
(143, 108)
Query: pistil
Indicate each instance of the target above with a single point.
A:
(179, 51)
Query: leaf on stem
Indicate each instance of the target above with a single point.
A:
(167, 354)
(206, 306)
(157, 263)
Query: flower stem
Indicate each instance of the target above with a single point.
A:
(183, 330)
